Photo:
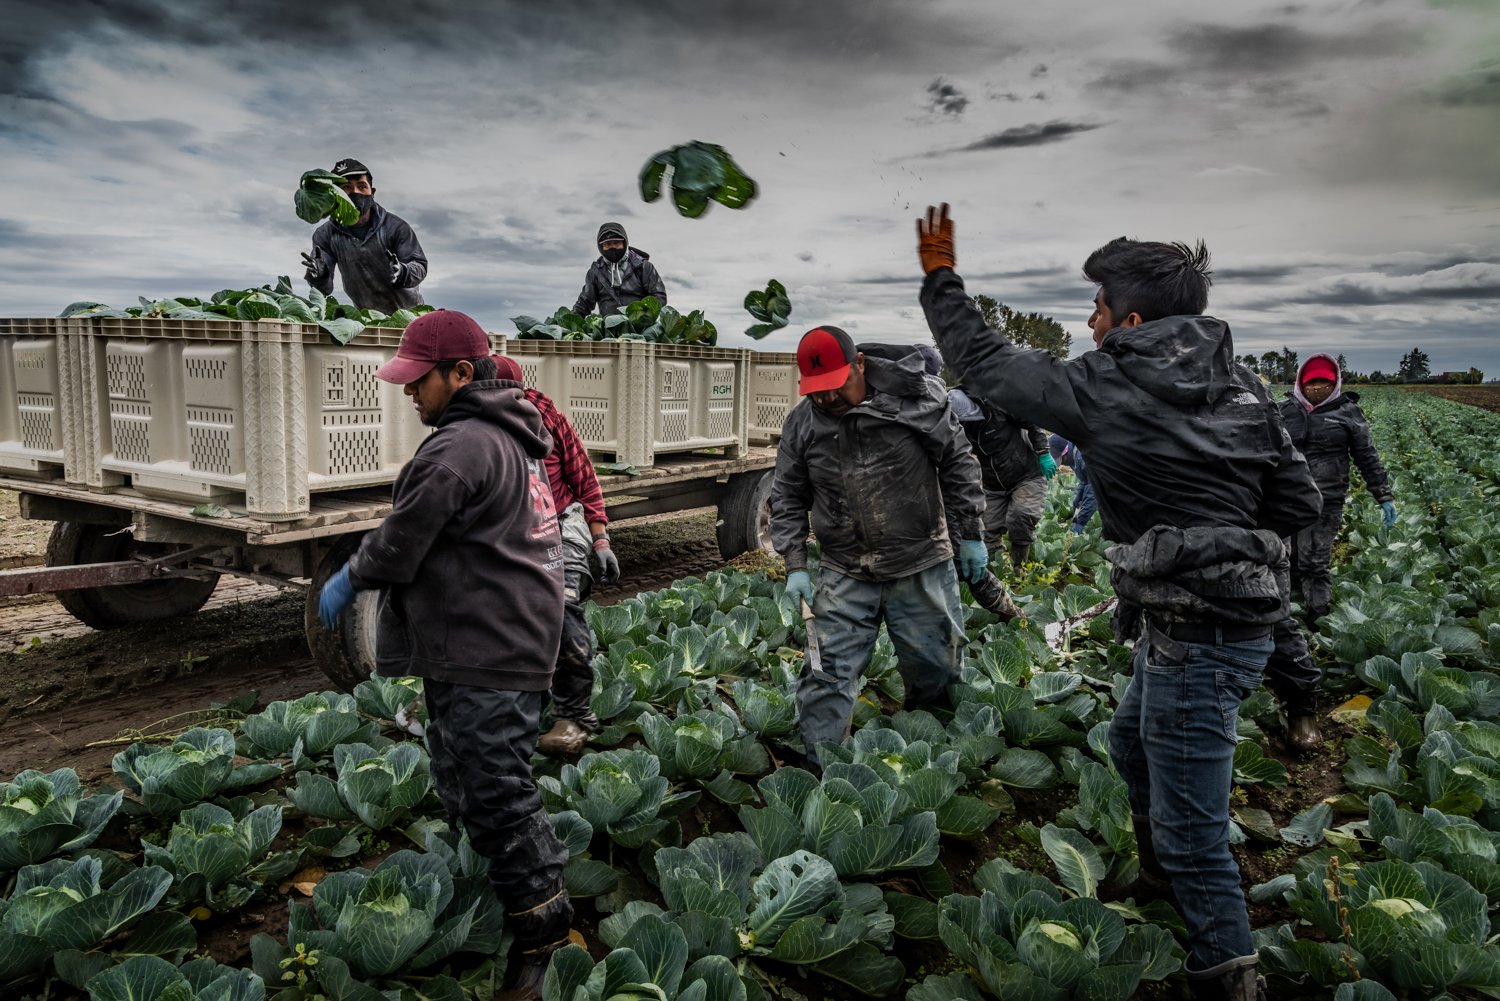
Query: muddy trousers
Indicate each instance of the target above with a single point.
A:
(573, 676)
(922, 614)
(1312, 559)
(1014, 513)
(1173, 740)
(1291, 673)
(481, 741)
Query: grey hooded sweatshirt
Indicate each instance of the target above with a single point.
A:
(470, 557)
(1329, 434)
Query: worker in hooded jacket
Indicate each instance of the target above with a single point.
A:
(622, 275)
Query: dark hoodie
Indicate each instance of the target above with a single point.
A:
(880, 481)
(1329, 434)
(638, 279)
(470, 557)
(1177, 434)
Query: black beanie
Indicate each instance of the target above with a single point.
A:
(611, 231)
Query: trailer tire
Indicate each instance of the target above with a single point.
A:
(745, 513)
(345, 654)
(74, 543)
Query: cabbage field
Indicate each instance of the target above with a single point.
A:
(301, 853)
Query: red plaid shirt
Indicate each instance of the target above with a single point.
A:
(570, 471)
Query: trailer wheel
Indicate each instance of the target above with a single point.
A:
(345, 654)
(74, 543)
(745, 514)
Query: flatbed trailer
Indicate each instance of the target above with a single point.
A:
(121, 557)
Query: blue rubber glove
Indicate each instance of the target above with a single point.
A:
(799, 588)
(1049, 465)
(973, 560)
(336, 597)
(1388, 513)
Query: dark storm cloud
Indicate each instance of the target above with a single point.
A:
(1456, 284)
(1034, 134)
(1479, 87)
(944, 98)
(873, 31)
(1227, 55)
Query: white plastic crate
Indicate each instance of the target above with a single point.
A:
(260, 414)
(774, 393)
(33, 411)
(636, 400)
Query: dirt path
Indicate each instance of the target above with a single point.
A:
(74, 687)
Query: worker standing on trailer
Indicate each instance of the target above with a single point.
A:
(1197, 482)
(378, 258)
(622, 275)
(585, 529)
(471, 570)
(877, 459)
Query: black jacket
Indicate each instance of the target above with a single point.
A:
(882, 482)
(1007, 448)
(639, 279)
(1178, 435)
(1328, 435)
(364, 262)
(470, 556)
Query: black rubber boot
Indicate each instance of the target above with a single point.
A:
(1302, 733)
(540, 931)
(1235, 980)
(1018, 557)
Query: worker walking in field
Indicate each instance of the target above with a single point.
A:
(585, 530)
(1016, 465)
(1197, 482)
(1065, 453)
(379, 260)
(622, 275)
(877, 459)
(471, 568)
(1328, 427)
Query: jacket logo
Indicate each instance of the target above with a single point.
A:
(1246, 399)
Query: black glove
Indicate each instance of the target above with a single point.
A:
(316, 269)
(609, 564)
(396, 267)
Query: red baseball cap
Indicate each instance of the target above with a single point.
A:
(823, 358)
(441, 335)
(507, 369)
(1320, 368)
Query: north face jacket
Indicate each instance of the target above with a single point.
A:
(364, 261)
(638, 280)
(1008, 449)
(1178, 437)
(882, 482)
(470, 557)
(1329, 434)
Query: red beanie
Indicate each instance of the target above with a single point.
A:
(1319, 368)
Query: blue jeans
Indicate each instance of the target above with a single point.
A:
(923, 616)
(1173, 741)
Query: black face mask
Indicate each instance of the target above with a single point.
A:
(614, 256)
(363, 202)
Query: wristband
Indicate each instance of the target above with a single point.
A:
(601, 542)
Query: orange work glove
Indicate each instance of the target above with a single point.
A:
(935, 240)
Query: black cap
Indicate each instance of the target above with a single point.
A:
(350, 167)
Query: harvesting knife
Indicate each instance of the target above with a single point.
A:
(813, 657)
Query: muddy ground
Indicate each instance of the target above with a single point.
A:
(72, 696)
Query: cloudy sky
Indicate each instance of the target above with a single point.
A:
(1340, 157)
